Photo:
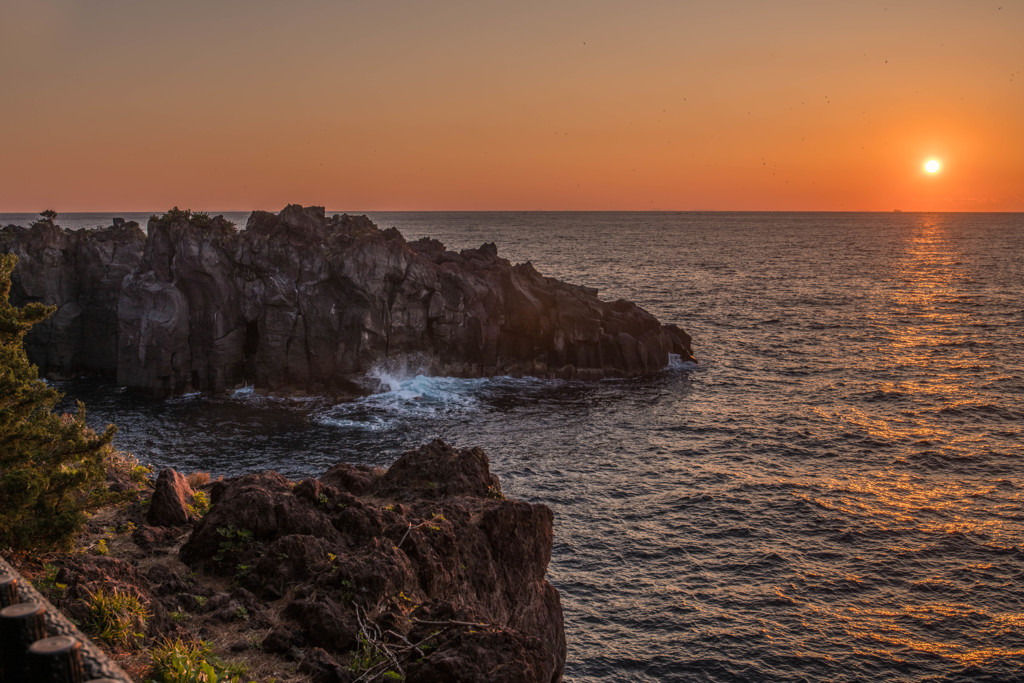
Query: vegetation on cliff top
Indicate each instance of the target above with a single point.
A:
(51, 464)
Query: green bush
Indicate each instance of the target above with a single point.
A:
(51, 465)
(200, 504)
(183, 661)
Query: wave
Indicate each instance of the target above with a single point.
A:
(400, 395)
(676, 362)
(185, 398)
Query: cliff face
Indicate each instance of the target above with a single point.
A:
(80, 272)
(302, 302)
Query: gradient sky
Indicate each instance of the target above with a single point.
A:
(138, 105)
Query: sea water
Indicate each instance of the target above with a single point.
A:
(835, 492)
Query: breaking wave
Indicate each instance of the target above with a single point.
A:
(401, 396)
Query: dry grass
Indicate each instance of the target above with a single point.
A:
(198, 479)
(137, 661)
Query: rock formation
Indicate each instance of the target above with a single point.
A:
(427, 544)
(171, 499)
(425, 570)
(80, 272)
(301, 302)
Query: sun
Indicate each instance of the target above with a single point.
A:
(932, 166)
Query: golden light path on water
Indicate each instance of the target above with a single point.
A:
(891, 499)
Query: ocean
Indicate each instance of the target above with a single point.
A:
(834, 493)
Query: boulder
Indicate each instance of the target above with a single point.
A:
(438, 470)
(171, 500)
(320, 667)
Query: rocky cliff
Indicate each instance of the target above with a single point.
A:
(81, 273)
(299, 301)
(423, 573)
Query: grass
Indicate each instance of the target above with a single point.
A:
(198, 479)
(187, 661)
(117, 618)
(184, 661)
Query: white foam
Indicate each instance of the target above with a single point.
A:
(401, 396)
(676, 362)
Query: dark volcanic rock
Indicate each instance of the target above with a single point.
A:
(428, 553)
(301, 302)
(171, 499)
(323, 668)
(80, 272)
(438, 471)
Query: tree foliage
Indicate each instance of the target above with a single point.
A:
(51, 464)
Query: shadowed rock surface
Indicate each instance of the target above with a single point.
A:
(424, 569)
(299, 302)
(429, 551)
(80, 272)
(172, 496)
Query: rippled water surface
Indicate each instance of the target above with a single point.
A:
(834, 493)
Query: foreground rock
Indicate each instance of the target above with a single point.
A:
(424, 570)
(302, 302)
(172, 496)
(428, 553)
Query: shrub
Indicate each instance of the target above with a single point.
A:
(183, 661)
(51, 465)
(233, 542)
(367, 655)
(196, 218)
(200, 505)
(46, 217)
(117, 618)
(175, 214)
(47, 582)
(201, 220)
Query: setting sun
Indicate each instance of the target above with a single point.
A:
(932, 166)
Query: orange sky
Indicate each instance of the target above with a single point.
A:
(576, 104)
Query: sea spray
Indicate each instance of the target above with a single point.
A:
(403, 392)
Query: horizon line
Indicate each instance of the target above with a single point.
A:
(367, 211)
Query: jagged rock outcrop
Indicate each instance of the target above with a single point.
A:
(428, 552)
(424, 570)
(80, 272)
(172, 497)
(301, 302)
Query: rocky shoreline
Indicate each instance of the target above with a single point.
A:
(299, 302)
(422, 572)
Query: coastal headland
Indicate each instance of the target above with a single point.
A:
(299, 302)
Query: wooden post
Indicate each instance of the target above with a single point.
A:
(20, 626)
(56, 660)
(8, 590)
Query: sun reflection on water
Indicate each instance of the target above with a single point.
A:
(925, 369)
